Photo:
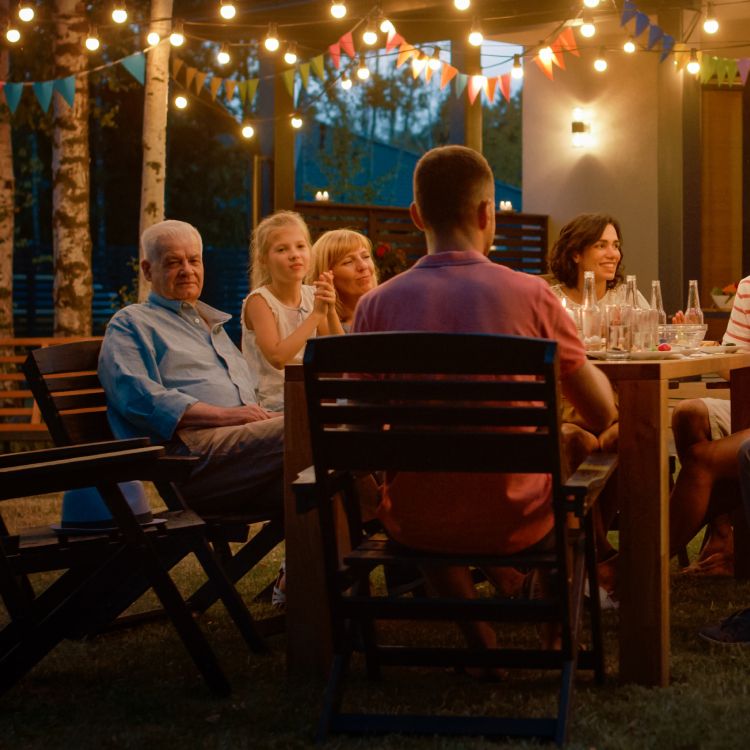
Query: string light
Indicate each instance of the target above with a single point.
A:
(363, 72)
(223, 56)
(12, 34)
(587, 27)
(462, 4)
(296, 121)
(25, 11)
(290, 56)
(227, 10)
(434, 61)
(629, 46)
(177, 37)
(180, 101)
(92, 41)
(475, 35)
(271, 42)
(153, 38)
(591, 3)
(517, 69)
(417, 64)
(248, 131)
(119, 13)
(385, 25)
(346, 82)
(710, 25)
(546, 55)
(338, 9)
(693, 66)
(370, 36)
(600, 64)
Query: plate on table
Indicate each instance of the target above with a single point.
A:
(719, 349)
(674, 353)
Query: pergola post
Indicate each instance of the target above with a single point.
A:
(466, 122)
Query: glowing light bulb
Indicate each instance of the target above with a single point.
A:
(248, 131)
(12, 35)
(629, 46)
(386, 26)
(693, 66)
(180, 101)
(434, 61)
(223, 56)
(475, 35)
(227, 10)
(710, 25)
(271, 42)
(517, 69)
(119, 13)
(462, 4)
(296, 122)
(177, 37)
(153, 38)
(546, 55)
(600, 64)
(25, 12)
(346, 82)
(370, 36)
(587, 27)
(290, 56)
(92, 41)
(363, 72)
(591, 3)
(338, 9)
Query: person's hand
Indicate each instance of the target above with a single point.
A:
(325, 293)
(253, 413)
(678, 317)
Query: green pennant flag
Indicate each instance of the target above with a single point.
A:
(317, 65)
(252, 87)
(288, 76)
(304, 72)
(242, 86)
(460, 83)
(136, 66)
(43, 91)
(66, 87)
(12, 93)
(732, 72)
(708, 68)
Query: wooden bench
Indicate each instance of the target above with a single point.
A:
(20, 419)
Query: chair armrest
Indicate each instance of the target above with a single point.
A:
(589, 479)
(304, 487)
(70, 451)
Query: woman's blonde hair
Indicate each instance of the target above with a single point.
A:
(261, 240)
(332, 246)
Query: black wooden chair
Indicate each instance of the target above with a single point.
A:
(102, 572)
(72, 403)
(424, 402)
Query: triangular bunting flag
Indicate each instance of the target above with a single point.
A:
(317, 66)
(136, 66)
(490, 89)
(447, 75)
(743, 65)
(681, 56)
(347, 44)
(417, 66)
(43, 91)
(176, 65)
(557, 58)
(667, 44)
(708, 67)
(545, 66)
(641, 23)
(461, 82)
(200, 79)
(732, 71)
(288, 76)
(428, 71)
(567, 41)
(404, 53)
(655, 33)
(252, 87)
(214, 86)
(304, 73)
(229, 87)
(13, 93)
(190, 75)
(628, 11)
(242, 86)
(66, 87)
(504, 81)
(477, 83)
(393, 40)
(335, 52)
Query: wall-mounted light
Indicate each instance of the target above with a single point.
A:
(693, 66)
(580, 128)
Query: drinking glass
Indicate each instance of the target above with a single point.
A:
(645, 330)
(619, 331)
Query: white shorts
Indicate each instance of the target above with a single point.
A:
(719, 417)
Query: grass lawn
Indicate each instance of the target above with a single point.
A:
(137, 688)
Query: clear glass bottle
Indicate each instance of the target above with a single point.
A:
(693, 311)
(656, 302)
(631, 291)
(591, 316)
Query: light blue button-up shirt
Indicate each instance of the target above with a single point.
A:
(159, 357)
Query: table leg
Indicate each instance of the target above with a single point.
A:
(644, 532)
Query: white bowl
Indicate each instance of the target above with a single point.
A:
(723, 301)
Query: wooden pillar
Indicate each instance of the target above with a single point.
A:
(466, 122)
(745, 180)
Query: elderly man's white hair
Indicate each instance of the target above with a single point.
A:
(156, 237)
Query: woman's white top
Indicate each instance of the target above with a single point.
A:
(614, 296)
(288, 319)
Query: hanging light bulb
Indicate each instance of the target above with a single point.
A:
(629, 46)
(546, 55)
(591, 3)
(338, 9)
(385, 25)
(346, 82)
(180, 101)
(227, 10)
(710, 25)
(475, 35)
(119, 13)
(271, 42)
(462, 4)
(177, 37)
(153, 38)
(92, 41)
(517, 69)
(12, 34)
(25, 11)
(370, 36)
(296, 121)
(223, 56)
(587, 27)
(290, 56)
(248, 131)
(418, 63)
(434, 61)
(600, 64)
(363, 72)
(693, 66)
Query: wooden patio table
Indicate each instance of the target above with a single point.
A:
(644, 499)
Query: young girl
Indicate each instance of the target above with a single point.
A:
(281, 313)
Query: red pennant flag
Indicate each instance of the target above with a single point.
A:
(557, 57)
(491, 86)
(347, 44)
(504, 81)
(335, 52)
(545, 66)
(567, 40)
(394, 40)
(447, 75)
(404, 53)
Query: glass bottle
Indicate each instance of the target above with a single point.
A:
(631, 291)
(591, 317)
(656, 303)
(693, 311)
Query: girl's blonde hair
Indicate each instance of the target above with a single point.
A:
(261, 240)
(332, 246)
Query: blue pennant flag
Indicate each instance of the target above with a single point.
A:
(641, 23)
(667, 44)
(13, 93)
(66, 87)
(655, 33)
(461, 80)
(136, 66)
(628, 11)
(43, 91)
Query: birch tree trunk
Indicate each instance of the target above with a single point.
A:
(153, 174)
(71, 235)
(7, 200)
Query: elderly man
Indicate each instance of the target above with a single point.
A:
(171, 373)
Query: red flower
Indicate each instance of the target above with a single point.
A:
(381, 250)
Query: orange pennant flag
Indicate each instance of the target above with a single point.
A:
(567, 40)
(557, 56)
(335, 52)
(418, 64)
(545, 66)
(476, 84)
(394, 39)
(176, 65)
(200, 79)
(491, 86)
(347, 44)
(447, 75)
(214, 86)
(190, 75)
(504, 81)
(404, 53)
(229, 86)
